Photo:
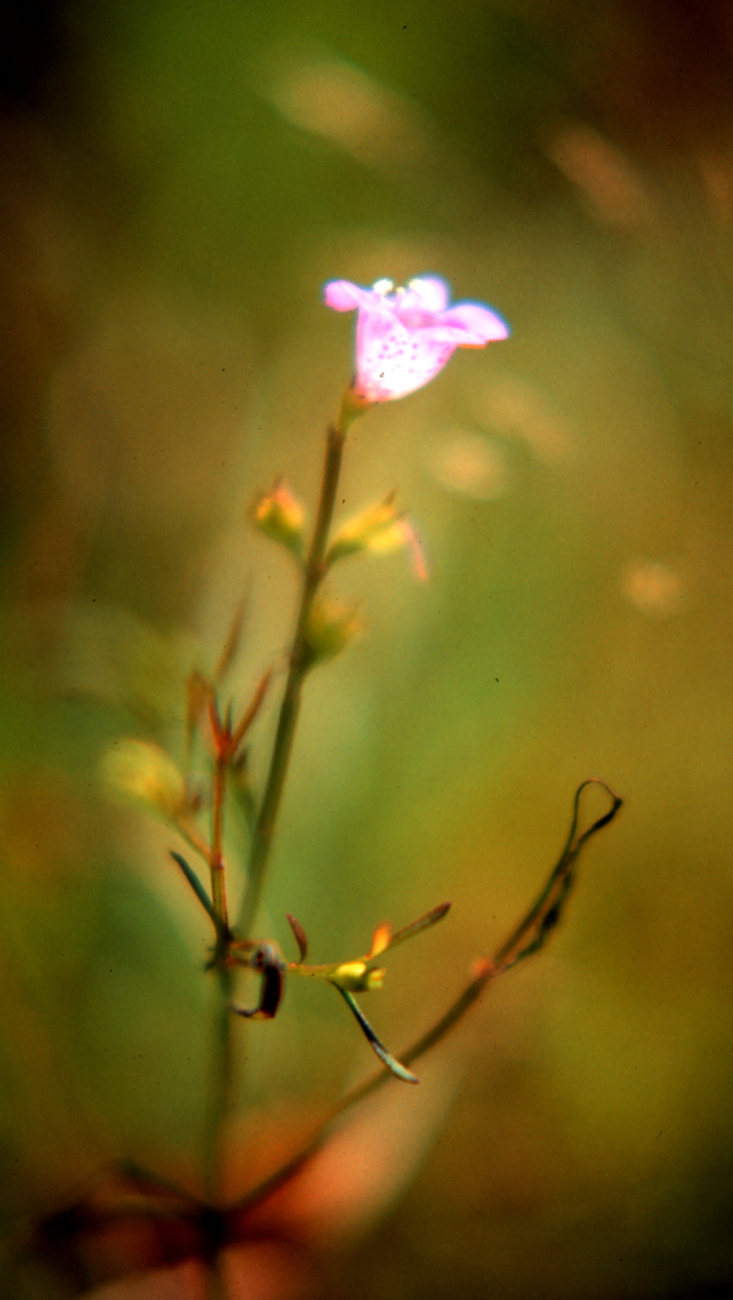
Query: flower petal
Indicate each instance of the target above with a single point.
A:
(342, 295)
(422, 302)
(431, 292)
(392, 360)
(456, 335)
(476, 320)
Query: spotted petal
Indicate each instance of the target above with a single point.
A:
(392, 361)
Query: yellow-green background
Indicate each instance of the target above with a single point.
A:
(179, 181)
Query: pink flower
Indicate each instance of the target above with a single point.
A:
(404, 337)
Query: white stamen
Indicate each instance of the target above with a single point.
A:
(383, 286)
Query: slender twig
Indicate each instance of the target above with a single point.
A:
(290, 706)
(251, 712)
(216, 863)
(533, 928)
(222, 1053)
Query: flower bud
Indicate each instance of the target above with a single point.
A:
(329, 629)
(381, 529)
(355, 977)
(360, 532)
(280, 515)
(144, 773)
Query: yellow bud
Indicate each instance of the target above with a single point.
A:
(402, 533)
(381, 529)
(144, 773)
(329, 629)
(389, 539)
(356, 978)
(279, 514)
(362, 531)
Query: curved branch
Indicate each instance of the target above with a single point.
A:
(526, 938)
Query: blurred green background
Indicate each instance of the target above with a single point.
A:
(178, 182)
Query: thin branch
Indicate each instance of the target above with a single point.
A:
(216, 861)
(290, 705)
(534, 928)
(506, 955)
(221, 1092)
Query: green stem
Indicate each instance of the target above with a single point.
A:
(222, 1071)
(216, 862)
(265, 824)
(290, 706)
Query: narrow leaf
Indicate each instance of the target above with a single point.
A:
(374, 1042)
(252, 710)
(233, 641)
(196, 886)
(198, 691)
(300, 936)
(422, 923)
(215, 719)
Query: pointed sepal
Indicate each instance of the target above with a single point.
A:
(301, 937)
